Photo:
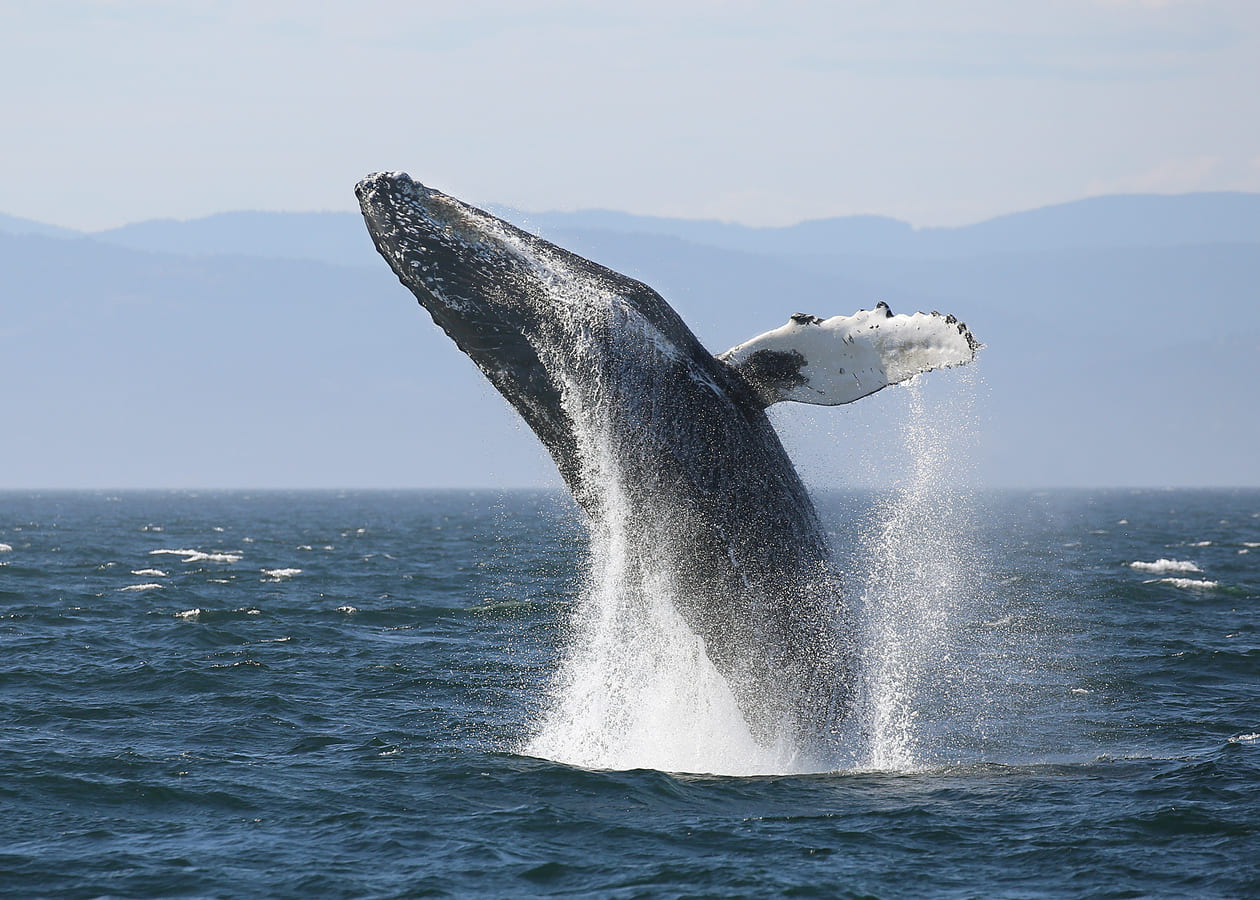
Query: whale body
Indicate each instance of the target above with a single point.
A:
(641, 418)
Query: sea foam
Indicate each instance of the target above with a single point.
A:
(192, 556)
(1162, 566)
(1192, 584)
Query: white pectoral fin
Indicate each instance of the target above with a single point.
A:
(841, 359)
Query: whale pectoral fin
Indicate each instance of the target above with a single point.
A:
(844, 358)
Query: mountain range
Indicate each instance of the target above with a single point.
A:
(255, 349)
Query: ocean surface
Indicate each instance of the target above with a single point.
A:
(358, 695)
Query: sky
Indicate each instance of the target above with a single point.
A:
(766, 113)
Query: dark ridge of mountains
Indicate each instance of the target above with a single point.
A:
(1136, 220)
(271, 349)
(1118, 221)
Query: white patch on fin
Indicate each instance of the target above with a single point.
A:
(845, 358)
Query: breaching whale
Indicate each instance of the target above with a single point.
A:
(640, 417)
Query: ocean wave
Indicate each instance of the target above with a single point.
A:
(1160, 566)
(151, 573)
(194, 613)
(1193, 584)
(141, 587)
(280, 574)
(199, 556)
(6, 548)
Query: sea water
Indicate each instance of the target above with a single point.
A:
(351, 695)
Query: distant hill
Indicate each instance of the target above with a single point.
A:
(14, 225)
(275, 349)
(331, 237)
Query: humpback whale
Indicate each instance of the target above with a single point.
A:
(640, 418)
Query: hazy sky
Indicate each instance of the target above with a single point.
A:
(937, 112)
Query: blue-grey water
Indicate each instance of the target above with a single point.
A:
(341, 695)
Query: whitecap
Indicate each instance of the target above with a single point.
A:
(1160, 566)
(140, 587)
(1201, 544)
(198, 556)
(280, 574)
(6, 548)
(1187, 583)
(193, 613)
(152, 573)
(1245, 739)
(1251, 545)
(348, 610)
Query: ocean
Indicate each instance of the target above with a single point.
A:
(371, 694)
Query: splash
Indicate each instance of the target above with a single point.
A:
(638, 690)
(919, 575)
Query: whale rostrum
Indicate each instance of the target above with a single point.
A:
(643, 421)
